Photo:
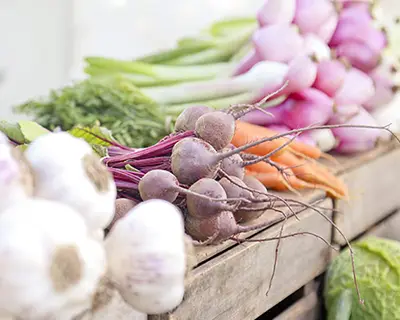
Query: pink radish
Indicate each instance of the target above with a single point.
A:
(276, 11)
(330, 76)
(357, 88)
(279, 42)
(312, 14)
(301, 74)
(351, 140)
(385, 89)
(309, 107)
(359, 55)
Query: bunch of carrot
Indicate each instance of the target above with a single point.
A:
(293, 167)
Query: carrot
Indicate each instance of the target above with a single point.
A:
(275, 182)
(312, 172)
(246, 132)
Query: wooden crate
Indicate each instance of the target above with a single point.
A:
(233, 285)
(373, 185)
(231, 279)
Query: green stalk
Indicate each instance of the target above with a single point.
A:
(217, 35)
(220, 53)
(141, 72)
(185, 49)
(222, 103)
(266, 74)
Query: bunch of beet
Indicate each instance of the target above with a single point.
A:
(199, 170)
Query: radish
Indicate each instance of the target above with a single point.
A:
(50, 268)
(278, 42)
(385, 88)
(311, 15)
(355, 79)
(187, 118)
(351, 140)
(16, 180)
(67, 170)
(330, 76)
(308, 107)
(301, 74)
(315, 47)
(276, 11)
(146, 256)
(359, 55)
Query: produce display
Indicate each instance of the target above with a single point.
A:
(339, 58)
(120, 176)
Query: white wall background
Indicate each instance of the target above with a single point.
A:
(42, 42)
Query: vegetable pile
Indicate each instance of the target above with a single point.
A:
(146, 159)
(339, 59)
(200, 179)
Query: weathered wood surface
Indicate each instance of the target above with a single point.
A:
(388, 228)
(307, 308)
(234, 284)
(374, 193)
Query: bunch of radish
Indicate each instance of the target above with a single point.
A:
(339, 71)
(58, 198)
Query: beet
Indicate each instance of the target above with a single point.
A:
(217, 128)
(186, 121)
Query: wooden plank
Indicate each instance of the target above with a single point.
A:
(306, 308)
(388, 228)
(345, 164)
(374, 193)
(234, 284)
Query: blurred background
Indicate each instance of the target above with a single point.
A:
(42, 42)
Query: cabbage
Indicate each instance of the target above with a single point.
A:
(378, 273)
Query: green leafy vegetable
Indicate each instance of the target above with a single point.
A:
(378, 272)
(94, 136)
(23, 131)
(112, 102)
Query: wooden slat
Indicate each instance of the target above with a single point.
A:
(233, 285)
(388, 228)
(374, 193)
(306, 308)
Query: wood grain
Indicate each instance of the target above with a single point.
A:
(388, 228)
(306, 308)
(233, 285)
(374, 192)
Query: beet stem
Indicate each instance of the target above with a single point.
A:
(347, 242)
(202, 196)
